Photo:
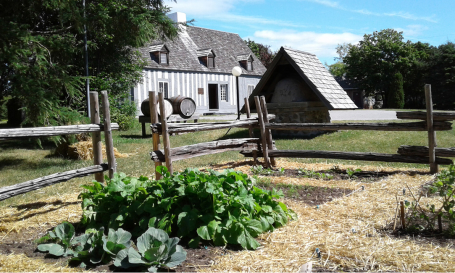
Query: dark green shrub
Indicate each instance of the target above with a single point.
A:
(123, 111)
(223, 207)
(396, 94)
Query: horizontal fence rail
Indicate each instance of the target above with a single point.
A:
(423, 150)
(207, 148)
(387, 126)
(6, 134)
(423, 115)
(10, 191)
(350, 156)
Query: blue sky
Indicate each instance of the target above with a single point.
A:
(317, 26)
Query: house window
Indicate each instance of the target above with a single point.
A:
(250, 89)
(249, 65)
(163, 87)
(164, 58)
(223, 92)
(211, 62)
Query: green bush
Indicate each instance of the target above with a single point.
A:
(396, 94)
(123, 111)
(222, 207)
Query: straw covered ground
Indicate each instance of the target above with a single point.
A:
(348, 231)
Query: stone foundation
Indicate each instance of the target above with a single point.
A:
(298, 112)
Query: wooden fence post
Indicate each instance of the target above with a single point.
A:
(431, 131)
(268, 132)
(96, 136)
(265, 151)
(112, 165)
(155, 136)
(165, 133)
(250, 129)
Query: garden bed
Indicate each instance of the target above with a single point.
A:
(348, 231)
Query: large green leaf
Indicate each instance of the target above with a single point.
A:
(156, 254)
(53, 249)
(65, 232)
(134, 257)
(176, 259)
(121, 259)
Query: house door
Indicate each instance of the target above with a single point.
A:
(213, 97)
(358, 100)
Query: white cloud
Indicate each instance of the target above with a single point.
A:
(221, 10)
(321, 44)
(401, 14)
(412, 31)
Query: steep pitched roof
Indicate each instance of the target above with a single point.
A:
(316, 76)
(185, 49)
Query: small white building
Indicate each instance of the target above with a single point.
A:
(198, 64)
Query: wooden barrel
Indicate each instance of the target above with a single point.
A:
(145, 108)
(184, 106)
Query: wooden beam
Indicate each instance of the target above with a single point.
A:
(166, 140)
(96, 136)
(389, 126)
(6, 134)
(108, 136)
(431, 130)
(423, 151)
(155, 136)
(439, 116)
(207, 148)
(263, 132)
(268, 132)
(250, 128)
(352, 156)
(10, 191)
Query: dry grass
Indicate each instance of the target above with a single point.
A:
(346, 230)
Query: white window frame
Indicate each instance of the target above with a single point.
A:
(163, 87)
(224, 93)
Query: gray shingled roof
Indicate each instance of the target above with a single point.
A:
(314, 74)
(204, 52)
(183, 52)
(157, 47)
(243, 57)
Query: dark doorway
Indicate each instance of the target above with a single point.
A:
(213, 97)
(358, 100)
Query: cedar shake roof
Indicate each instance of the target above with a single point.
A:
(193, 41)
(315, 75)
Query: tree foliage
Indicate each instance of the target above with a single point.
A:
(396, 94)
(263, 52)
(377, 58)
(42, 57)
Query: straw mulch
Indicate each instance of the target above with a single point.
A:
(346, 230)
(21, 263)
(84, 150)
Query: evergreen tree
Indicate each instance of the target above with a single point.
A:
(396, 92)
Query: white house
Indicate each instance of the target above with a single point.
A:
(198, 64)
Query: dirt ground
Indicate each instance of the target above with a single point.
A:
(21, 225)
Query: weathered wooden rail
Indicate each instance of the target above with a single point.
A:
(95, 128)
(263, 146)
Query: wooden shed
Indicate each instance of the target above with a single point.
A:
(299, 89)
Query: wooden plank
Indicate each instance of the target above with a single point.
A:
(439, 116)
(206, 148)
(268, 132)
(155, 136)
(250, 128)
(96, 136)
(423, 151)
(166, 141)
(6, 134)
(352, 156)
(263, 133)
(431, 130)
(388, 126)
(10, 191)
(206, 126)
(108, 135)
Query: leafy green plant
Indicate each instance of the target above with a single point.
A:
(351, 173)
(444, 187)
(155, 247)
(154, 250)
(259, 170)
(313, 174)
(223, 207)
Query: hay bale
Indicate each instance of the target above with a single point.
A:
(84, 150)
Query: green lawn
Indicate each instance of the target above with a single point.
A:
(24, 160)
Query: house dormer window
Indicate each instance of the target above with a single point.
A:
(160, 54)
(206, 57)
(246, 61)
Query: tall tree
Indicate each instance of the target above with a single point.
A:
(41, 51)
(396, 93)
(263, 52)
(441, 76)
(377, 58)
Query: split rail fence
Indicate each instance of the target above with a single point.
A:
(95, 128)
(264, 146)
